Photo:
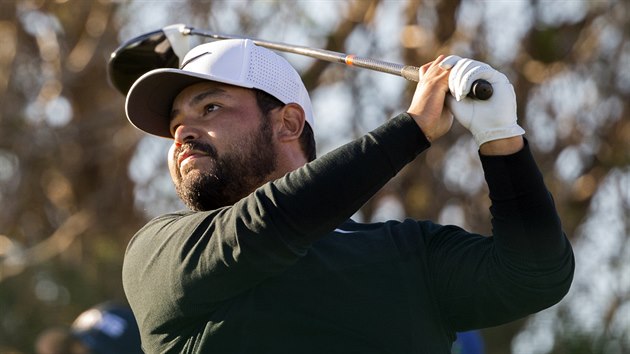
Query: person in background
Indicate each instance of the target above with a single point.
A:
(470, 342)
(107, 328)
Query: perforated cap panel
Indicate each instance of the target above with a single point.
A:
(273, 75)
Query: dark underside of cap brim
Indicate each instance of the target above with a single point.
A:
(150, 100)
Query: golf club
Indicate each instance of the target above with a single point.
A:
(165, 48)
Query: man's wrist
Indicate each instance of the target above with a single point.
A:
(505, 146)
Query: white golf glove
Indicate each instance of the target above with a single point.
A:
(487, 120)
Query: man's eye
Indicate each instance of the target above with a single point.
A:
(210, 108)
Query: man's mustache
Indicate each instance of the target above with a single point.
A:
(196, 145)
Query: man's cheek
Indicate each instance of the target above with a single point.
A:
(172, 167)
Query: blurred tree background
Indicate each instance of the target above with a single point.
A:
(77, 181)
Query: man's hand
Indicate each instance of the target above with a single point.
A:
(428, 100)
(490, 120)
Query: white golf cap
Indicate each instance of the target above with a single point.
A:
(237, 62)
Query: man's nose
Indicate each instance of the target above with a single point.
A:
(184, 133)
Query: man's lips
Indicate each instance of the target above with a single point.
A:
(187, 156)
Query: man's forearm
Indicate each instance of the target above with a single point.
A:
(525, 220)
(526, 266)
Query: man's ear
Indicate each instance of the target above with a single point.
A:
(292, 120)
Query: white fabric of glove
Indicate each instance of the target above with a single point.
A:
(487, 120)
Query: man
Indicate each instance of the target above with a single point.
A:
(267, 260)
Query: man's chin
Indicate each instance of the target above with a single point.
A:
(189, 172)
(200, 192)
(196, 167)
(197, 203)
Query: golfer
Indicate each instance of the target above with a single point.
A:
(267, 259)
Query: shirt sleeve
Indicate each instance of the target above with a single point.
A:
(527, 263)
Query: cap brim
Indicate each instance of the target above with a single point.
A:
(150, 99)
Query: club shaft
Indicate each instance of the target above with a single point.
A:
(480, 89)
(408, 72)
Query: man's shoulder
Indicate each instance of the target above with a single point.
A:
(184, 215)
(172, 223)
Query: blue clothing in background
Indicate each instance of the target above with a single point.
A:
(469, 342)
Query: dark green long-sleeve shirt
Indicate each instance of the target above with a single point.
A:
(285, 271)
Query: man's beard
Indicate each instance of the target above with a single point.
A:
(231, 176)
